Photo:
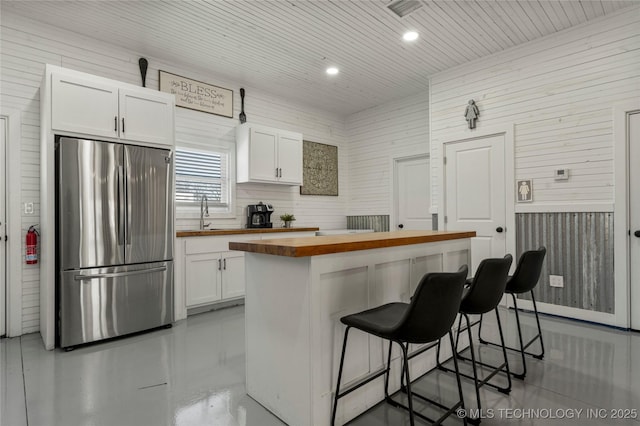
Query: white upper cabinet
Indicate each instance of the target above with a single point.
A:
(290, 158)
(146, 116)
(84, 106)
(263, 146)
(267, 155)
(81, 103)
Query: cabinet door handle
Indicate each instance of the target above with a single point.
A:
(122, 124)
(224, 264)
(219, 265)
(276, 172)
(115, 124)
(280, 173)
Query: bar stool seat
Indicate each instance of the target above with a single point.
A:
(380, 321)
(427, 318)
(524, 280)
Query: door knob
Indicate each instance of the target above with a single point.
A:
(499, 229)
(637, 233)
(401, 226)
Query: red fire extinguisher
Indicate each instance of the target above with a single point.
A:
(32, 246)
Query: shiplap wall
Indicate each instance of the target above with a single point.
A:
(26, 46)
(376, 135)
(558, 93)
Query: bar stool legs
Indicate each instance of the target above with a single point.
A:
(474, 362)
(336, 396)
(523, 346)
(405, 384)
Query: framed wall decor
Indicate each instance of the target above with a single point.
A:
(319, 169)
(193, 94)
(524, 188)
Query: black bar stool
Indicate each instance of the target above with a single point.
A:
(482, 296)
(427, 318)
(524, 279)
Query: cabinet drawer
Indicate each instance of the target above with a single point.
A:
(197, 245)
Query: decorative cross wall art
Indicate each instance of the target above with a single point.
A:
(319, 169)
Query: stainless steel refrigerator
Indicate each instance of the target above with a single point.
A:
(115, 238)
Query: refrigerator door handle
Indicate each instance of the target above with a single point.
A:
(121, 216)
(127, 202)
(119, 274)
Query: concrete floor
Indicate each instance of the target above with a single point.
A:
(194, 373)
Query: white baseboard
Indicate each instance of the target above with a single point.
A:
(573, 313)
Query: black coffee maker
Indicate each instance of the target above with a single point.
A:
(259, 215)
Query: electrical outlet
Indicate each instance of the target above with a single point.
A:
(28, 208)
(556, 280)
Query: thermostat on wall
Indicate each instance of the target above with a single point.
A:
(561, 174)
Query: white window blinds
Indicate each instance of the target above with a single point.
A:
(201, 173)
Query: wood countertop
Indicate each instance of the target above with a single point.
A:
(314, 246)
(217, 232)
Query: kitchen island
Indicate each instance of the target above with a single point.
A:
(298, 289)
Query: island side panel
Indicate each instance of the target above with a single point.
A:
(278, 336)
(345, 283)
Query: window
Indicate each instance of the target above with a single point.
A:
(201, 173)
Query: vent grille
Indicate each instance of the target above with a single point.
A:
(404, 7)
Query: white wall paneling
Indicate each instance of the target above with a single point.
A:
(559, 95)
(376, 135)
(26, 46)
(558, 91)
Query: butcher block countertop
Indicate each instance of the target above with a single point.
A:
(216, 232)
(313, 246)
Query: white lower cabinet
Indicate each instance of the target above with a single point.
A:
(212, 273)
(209, 272)
(212, 277)
(203, 277)
(233, 281)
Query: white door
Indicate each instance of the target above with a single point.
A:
(145, 117)
(262, 155)
(3, 228)
(290, 159)
(475, 193)
(412, 191)
(634, 216)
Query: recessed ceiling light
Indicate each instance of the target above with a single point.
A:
(332, 71)
(410, 36)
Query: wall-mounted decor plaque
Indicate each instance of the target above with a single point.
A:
(524, 189)
(319, 169)
(197, 95)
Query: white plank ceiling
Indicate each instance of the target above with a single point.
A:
(284, 47)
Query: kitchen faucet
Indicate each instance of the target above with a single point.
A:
(204, 211)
